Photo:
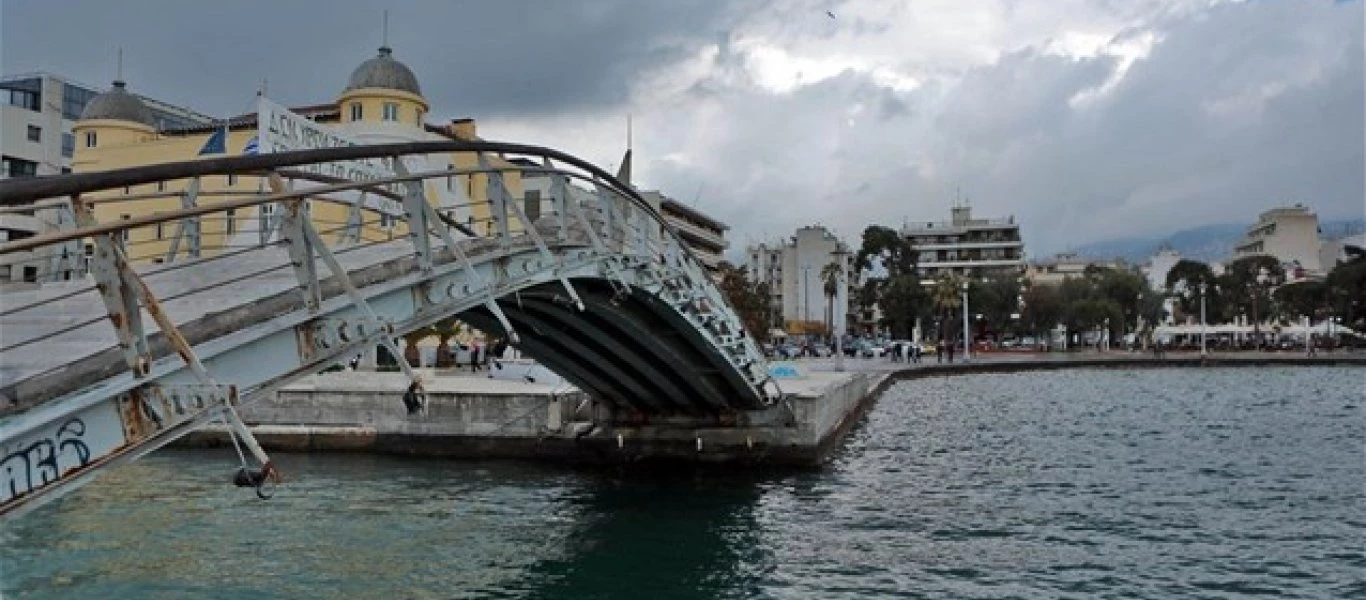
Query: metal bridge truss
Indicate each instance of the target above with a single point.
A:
(598, 287)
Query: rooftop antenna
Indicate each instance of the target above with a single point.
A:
(628, 131)
(118, 76)
(384, 36)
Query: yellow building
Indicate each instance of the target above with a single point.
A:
(381, 103)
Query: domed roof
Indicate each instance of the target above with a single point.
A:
(384, 72)
(118, 104)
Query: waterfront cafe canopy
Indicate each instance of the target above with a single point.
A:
(1296, 329)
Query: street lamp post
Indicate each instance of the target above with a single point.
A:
(967, 330)
(842, 301)
(1262, 277)
(1203, 288)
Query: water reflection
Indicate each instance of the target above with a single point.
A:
(661, 535)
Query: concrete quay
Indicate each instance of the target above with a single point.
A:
(472, 416)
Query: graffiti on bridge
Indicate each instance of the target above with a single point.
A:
(45, 460)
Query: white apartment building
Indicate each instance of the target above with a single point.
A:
(792, 269)
(1290, 234)
(966, 247)
(1159, 265)
(701, 233)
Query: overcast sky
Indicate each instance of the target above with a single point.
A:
(1085, 119)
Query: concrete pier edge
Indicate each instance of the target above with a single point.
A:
(797, 444)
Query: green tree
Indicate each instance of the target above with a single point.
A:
(888, 260)
(996, 299)
(1043, 309)
(1183, 283)
(1244, 292)
(749, 300)
(1346, 291)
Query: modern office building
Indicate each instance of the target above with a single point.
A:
(1290, 234)
(966, 247)
(795, 271)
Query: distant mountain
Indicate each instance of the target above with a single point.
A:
(1206, 243)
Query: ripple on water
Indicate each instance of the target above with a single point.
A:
(1106, 484)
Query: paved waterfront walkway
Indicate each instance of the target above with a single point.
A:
(1001, 358)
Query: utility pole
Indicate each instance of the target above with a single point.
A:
(967, 331)
(1203, 288)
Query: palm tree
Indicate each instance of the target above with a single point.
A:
(947, 300)
(410, 350)
(445, 329)
(830, 274)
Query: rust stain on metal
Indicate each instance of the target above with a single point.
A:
(135, 425)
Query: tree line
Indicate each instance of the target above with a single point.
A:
(885, 276)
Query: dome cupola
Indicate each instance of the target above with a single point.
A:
(119, 105)
(384, 72)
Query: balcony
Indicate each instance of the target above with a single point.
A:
(972, 264)
(968, 245)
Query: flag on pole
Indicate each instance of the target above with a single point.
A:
(217, 143)
(253, 146)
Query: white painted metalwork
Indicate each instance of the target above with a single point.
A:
(77, 395)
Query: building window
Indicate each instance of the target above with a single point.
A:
(31, 274)
(35, 133)
(89, 139)
(21, 98)
(18, 167)
(231, 221)
(74, 100)
(386, 221)
(161, 232)
(390, 111)
(68, 144)
(161, 186)
(232, 180)
(124, 233)
(356, 111)
(418, 120)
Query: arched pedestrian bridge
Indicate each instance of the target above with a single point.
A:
(128, 350)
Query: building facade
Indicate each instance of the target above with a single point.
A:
(1067, 265)
(38, 119)
(796, 271)
(966, 247)
(1290, 234)
(381, 102)
(1159, 265)
(702, 234)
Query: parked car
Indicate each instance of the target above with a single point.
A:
(873, 351)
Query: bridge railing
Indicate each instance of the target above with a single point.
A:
(119, 229)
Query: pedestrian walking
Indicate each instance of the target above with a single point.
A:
(950, 346)
(474, 357)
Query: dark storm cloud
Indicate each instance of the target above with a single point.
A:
(472, 58)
